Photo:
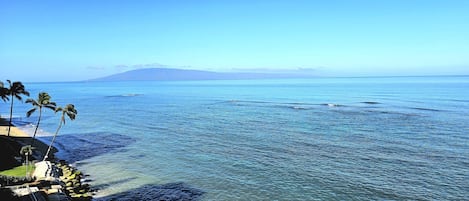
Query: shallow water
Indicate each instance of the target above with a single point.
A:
(391, 138)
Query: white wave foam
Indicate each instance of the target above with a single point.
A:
(29, 129)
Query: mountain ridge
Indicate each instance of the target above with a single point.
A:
(174, 74)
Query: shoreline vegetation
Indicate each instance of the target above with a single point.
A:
(45, 177)
(51, 180)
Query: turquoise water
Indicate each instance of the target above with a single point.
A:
(389, 138)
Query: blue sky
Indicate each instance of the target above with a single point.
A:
(77, 40)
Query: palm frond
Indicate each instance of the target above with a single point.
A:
(26, 150)
(32, 101)
(70, 111)
(17, 96)
(71, 116)
(31, 111)
(43, 97)
(52, 107)
(17, 89)
(4, 94)
(58, 109)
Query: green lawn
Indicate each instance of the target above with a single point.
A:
(19, 171)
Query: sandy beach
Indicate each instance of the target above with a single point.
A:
(14, 132)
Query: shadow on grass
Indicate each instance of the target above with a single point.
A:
(164, 192)
(9, 149)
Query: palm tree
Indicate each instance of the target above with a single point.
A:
(43, 100)
(68, 110)
(15, 91)
(3, 93)
(27, 151)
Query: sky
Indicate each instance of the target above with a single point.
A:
(43, 40)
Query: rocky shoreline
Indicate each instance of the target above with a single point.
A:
(75, 187)
(51, 180)
(59, 179)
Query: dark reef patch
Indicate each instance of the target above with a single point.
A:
(426, 109)
(371, 102)
(82, 146)
(165, 192)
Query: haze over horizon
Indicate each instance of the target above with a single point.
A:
(72, 41)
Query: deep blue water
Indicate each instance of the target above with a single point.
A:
(389, 138)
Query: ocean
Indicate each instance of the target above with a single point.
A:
(368, 138)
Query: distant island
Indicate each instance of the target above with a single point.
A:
(169, 74)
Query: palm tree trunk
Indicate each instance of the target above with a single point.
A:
(53, 139)
(27, 165)
(11, 116)
(37, 126)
